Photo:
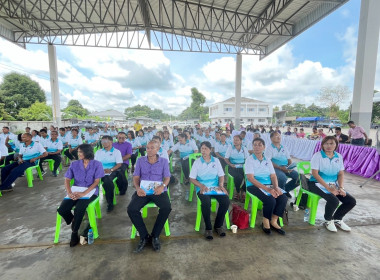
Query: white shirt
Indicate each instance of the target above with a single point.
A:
(31, 151)
(209, 139)
(167, 144)
(278, 156)
(185, 149)
(328, 168)
(91, 138)
(36, 138)
(221, 149)
(43, 141)
(63, 139)
(75, 142)
(207, 173)
(3, 150)
(109, 158)
(261, 170)
(162, 152)
(53, 147)
(135, 143)
(235, 156)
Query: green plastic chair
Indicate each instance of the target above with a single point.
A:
(171, 162)
(145, 214)
(312, 198)
(192, 158)
(115, 190)
(257, 204)
(230, 183)
(63, 155)
(29, 173)
(93, 212)
(51, 165)
(213, 209)
(190, 163)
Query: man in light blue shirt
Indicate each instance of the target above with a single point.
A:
(111, 160)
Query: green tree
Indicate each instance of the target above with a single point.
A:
(39, 111)
(145, 111)
(74, 109)
(196, 109)
(332, 97)
(4, 115)
(19, 91)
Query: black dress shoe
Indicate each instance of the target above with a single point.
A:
(279, 230)
(266, 230)
(74, 239)
(156, 244)
(143, 242)
(110, 208)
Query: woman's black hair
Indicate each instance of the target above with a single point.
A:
(19, 137)
(207, 144)
(74, 129)
(258, 140)
(87, 150)
(132, 133)
(141, 131)
(238, 136)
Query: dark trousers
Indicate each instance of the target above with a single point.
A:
(223, 163)
(142, 151)
(73, 155)
(223, 201)
(80, 208)
(332, 202)
(238, 174)
(133, 159)
(122, 181)
(137, 202)
(282, 177)
(109, 187)
(271, 205)
(9, 158)
(330, 129)
(357, 142)
(11, 172)
(57, 161)
(185, 167)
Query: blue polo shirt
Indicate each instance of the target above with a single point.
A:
(109, 158)
(328, 168)
(32, 151)
(279, 156)
(261, 170)
(235, 156)
(207, 173)
(185, 149)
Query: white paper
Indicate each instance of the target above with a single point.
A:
(81, 189)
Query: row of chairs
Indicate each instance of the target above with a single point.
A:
(303, 167)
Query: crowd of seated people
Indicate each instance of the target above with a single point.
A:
(101, 155)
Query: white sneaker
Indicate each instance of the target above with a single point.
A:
(13, 185)
(340, 224)
(330, 226)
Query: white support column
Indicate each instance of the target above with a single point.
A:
(238, 90)
(366, 57)
(54, 85)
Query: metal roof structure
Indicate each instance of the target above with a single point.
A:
(215, 26)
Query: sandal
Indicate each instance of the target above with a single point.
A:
(208, 234)
(220, 231)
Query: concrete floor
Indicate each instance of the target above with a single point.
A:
(306, 252)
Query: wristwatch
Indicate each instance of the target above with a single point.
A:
(164, 185)
(111, 169)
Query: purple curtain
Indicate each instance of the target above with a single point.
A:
(363, 161)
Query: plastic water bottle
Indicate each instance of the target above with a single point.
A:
(187, 195)
(307, 215)
(90, 237)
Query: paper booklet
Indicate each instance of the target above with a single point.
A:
(214, 191)
(149, 186)
(81, 189)
(324, 189)
(267, 193)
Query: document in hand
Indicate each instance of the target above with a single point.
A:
(81, 189)
(149, 186)
(214, 191)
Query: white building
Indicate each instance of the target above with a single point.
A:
(255, 111)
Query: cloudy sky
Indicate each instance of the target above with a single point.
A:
(104, 79)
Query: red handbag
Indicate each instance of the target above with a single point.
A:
(240, 217)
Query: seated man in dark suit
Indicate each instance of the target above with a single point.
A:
(342, 138)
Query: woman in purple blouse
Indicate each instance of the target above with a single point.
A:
(86, 172)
